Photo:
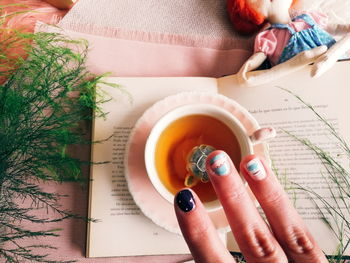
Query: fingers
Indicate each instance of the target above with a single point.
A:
(198, 230)
(323, 64)
(251, 233)
(327, 60)
(253, 236)
(287, 225)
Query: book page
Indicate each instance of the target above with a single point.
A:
(272, 106)
(123, 230)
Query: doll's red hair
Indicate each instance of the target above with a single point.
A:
(244, 18)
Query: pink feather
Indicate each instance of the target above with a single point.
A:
(38, 10)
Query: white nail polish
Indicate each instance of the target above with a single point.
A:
(256, 169)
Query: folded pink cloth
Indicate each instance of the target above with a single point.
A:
(128, 57)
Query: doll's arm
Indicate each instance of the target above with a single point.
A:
(246, 77)
(338, 29)
(252, 63)
(328, 59)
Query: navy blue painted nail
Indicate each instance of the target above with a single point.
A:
(185, 200)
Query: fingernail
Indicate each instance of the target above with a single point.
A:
(219, 164)
(256, 169)
(185, 200)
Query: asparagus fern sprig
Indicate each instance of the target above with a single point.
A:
(333, 206)
(46, 94)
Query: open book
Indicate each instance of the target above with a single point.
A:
(124, 231)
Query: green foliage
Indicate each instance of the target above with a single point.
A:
(43, 103)
(333, 211)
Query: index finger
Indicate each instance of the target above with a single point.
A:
(253, 236)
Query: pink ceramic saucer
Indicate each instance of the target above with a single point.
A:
(155, 207)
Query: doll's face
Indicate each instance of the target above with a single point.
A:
(270, 8)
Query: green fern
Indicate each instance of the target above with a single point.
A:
(43, 102)
(334, 212)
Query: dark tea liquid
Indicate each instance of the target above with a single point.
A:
(178, 139)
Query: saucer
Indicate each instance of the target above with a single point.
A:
(151, 203)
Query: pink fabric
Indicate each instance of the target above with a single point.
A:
(132, 58)
(272, 42)
(206, 41)
(42, 11)
(124, 58)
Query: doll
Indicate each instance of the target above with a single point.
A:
(288, 44)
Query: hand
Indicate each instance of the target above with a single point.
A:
(306, 57)
(323, 64)
(328, 59)
(288, 237)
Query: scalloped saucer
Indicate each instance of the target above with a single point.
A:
(155, 207)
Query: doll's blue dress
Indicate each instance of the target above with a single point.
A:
(306, 39)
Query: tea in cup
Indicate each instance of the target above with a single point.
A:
(175, 136)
